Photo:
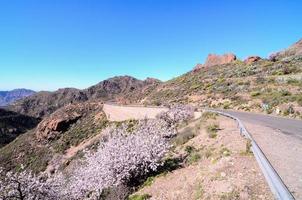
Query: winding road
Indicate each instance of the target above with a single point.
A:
(281, 141)
(287, 126)
(279, 138)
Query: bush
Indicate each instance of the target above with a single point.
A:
(209, 115)
(225, 151)
(255, 93)
(212, 130)
(193, 157)
(189, 149)
(139, 197)
(285, 93)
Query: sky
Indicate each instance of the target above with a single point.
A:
(51, 44)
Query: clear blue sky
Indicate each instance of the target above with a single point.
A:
(49, 44)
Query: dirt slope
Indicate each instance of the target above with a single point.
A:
(224, 171)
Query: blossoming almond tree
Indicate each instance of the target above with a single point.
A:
(25, 186)
(123, 156)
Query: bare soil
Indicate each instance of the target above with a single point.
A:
(225, 171)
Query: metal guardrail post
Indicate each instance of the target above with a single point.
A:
(277, 186)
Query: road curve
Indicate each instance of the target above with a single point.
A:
(281, 141)
(116, 112)
(287, 126)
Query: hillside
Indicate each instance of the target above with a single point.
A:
(122, 89)
(271, 85)
(66, 127)
(261, 85)
(13, 124)
(7, 97)
(60, 128)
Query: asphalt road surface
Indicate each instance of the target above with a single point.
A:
(281, 141)
(287, 126)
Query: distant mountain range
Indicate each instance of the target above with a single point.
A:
(7, 97)
(121, 89)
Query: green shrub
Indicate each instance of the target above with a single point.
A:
(209, 115)
(139, 197)
(226, 105)
(233, 195)
(212, 130)
(189, 149)
(289, 110)
(285, 93)
(225, 151)
(255, 93)
(149, 181)
(193, 157)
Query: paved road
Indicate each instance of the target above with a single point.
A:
(290, 127)
(115, 112)
(281, 141)
(121, 113)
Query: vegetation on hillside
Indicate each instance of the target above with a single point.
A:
(267, 86)
(123, 157)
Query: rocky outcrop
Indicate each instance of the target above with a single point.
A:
(252, 59)
(214, 59)
(61, 120)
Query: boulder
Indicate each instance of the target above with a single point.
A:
(251, 59)
(214, 59)
(61, 120)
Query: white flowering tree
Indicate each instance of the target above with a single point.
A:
(25, 186)
(121, 157)
(177, 113)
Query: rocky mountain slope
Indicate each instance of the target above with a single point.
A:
(13, 124)
(7, 97)
(66, 127)
(257, 84)
(270, 85)
(59, 126)
(69, 115)
(123, 89)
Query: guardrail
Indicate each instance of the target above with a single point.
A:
(277, 186)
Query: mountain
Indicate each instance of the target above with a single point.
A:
(292, 51)
(123, 89)
(13, 124)
(260, 85)
(70, 117)
(7, 97)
